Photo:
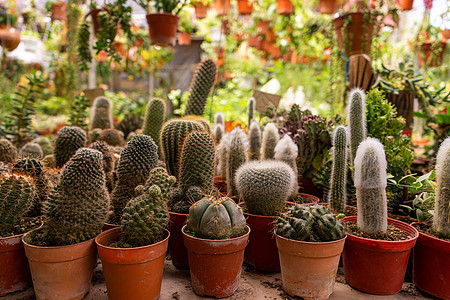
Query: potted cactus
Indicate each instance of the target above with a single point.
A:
(377, 248)
(133, 255)
(215, 235)
(310, 239)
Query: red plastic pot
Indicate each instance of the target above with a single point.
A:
(177, 250)
(131, 273)
(200, 10)
(215, 265)
(107, 226)
(59, 11)
(285, 7)
(162, 29)
(219, 7)
(406, 4)
(375, 266)
(15, 275)
(184, 38)
(245, 7)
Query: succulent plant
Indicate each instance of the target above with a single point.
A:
(107, 161)
(68, 141)
(216, 217)
(237, 155)
(251, 104)
(356, 120)
(309, 223)
(155, 116)
(101, 114)
(8, 151)
(218, 133)
(32, 150)
(441, 221)
(219, 119)
(130, 123)
(94, 134)
(287, 151)
(202, 82)
(222, 157)
(254, 137)
(112, 137)
(338, 196)
(270, 138)
(45, 143)
(370, 183)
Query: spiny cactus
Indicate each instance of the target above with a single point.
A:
(270, 139)
(237, 155)
(286, 151)
(155, 116)
(146, 216)
(101, 114)
(309, 223)
(218, 133)
(356, 120)
(130, 123)
(222, 157)
(68, 141)
(265, 186)
(216, 217)
(199, 119)
(338, 196)
(45, 143)
(370, 183)
(32, 150)
(138, 158)
(107, 161)
(112, 137)
(94, 134)
(251, 104)
(254, 137)
(77, 207)
(219, 119)
(8, 151)
(441, 220)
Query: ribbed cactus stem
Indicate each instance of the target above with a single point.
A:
(251, 104)
(237, 155)
(101, 114)
(270, 139)
(254, 137)
(219, 118)
(441, 220)
(218, 133)
(338, 184)
(287, 151)
(370, 183)
(356, 120)
(155, 116)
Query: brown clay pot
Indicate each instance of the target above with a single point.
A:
(244, 7)
(215, 265)
(285, 7)
(177, 250)
(428, 58)
(200, 10)
(94, 13)
(406, 4)
(131, 273)
(15, 275)
(309, 269)
(108, 226)
(59, 11)
(62, 272)
(263, 26)
(404, 102)
(9, 37)
(218, 6)
(254, 41)
(162, 29)
(184, 38)
(328, 6)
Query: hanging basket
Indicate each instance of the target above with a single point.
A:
(431, 54)
(404, 102)
(328, 6)
(219, 7)
(200, 10)
(9, 37)
(162, 29)
(285, 7)
(406, 4)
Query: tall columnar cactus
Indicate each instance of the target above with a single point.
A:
(356, 120)
(218, 133)
(68, 141)
(338, 185)
(16, 192)
(270, 139)
(254, 138)
(370, 183)
(251, 104)
(441, 220)
(107, 161)
(201, 85)
(77, 207)
(219, 118)
(265, 186)
(112, 137)
(222, 157)
(137, 159)
(287, 151)
(173, 135)
(8, 151)
(32, 150)
(216, 217)
(101, 114)
(237, 155)
(146, 216)
(155, 116)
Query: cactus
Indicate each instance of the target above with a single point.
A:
(69, 140)
(77, 207)
(201, 85)
(309, 223)
(222, 157)
(138, 158)
(199, 119)
(45, 143)
(8, 151)
(251, 104)
(16, 192)
(287, 151)
(236, 156)
(219, 119)
(94, 134)
(216, 217)
(356, 120)
(32, 150)
(337, 195)
(112, 137)
(155, 116)
(270, 139)
(254, 137)
(370, 183)
(107, 161)
(173, 135)
(146, 216)
(218, 133)
(101, 114)
(130, 123)
(265, 186)
(441, 220)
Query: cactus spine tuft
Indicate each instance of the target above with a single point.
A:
(237, 155)
(270, 139)
(338, 185)
(356, 120)
(441, 220)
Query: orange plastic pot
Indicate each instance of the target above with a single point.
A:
(59, 11)
(63, 272)
(162, 29)
(15, 275)
(9, 37)
(375, 266)
(328, 6)
(309, 269)
(184, 38)
(254, 41)
(245, 7)
(285, 7)
(215, 265)
(177, 250)
(131, 273)
(222, 7)
(406, 4)
(200, 10)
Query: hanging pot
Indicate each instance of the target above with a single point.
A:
(200, 10)
(429, 57)
(59, 11)
(285, 7)
(404, 102)
(177, 250)
(263, 26)
(328, 6)
(184, 38)
(9, 37)
(406, 4)
(245, 7)
(222, 7)
(162, 29)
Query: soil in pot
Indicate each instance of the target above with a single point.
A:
(162, 29)
(177, 249)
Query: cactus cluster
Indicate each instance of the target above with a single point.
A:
(8, 151)
(94, 134)
(441, 221)
(270, 138)
(32, 150)
(155, 115)
(68, 141)
(112, 137)
(237, 155)
(356, 120)
(101, 114)
(287, 151)
(254, 138)
(309, 223)
(338, 185)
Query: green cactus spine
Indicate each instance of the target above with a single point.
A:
(69, 140)
(356, 120)
(441, 221)
(254, 137)
(338, 185)
(237, 155)
(270, 139)
(370, 183)
(112, 137)
(32, 150)
(101, 114)
(287, 151)
(8, 151)
(201, 85)
(155, 116)
(251, 104)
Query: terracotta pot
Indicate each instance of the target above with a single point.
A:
(220, 184)
(162, 29)
(94, 13)
(328, 6)
(318, 263)
(270, 36)
(309, 198)
(307, 186)
(131, 273)
(254, 41)
(245, 7)
(215, 265)
(428, 57)
(184, 38)
(375, 266)
(406, 4)
(177, 250)
(220, 8)
(9, 37)
(200, 10)
(404, 102)
(59, 11)
(263, 26)
(62, 272)
(108, 226)
(15, 275)
(285, 7)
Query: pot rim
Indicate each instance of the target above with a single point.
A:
(242, 206)
(178, 214)
(219, 241)
(436, 239)
(161, 14)
(51, 247)
(310, 243)
(110, 231)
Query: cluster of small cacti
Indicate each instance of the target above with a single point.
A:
(68, 141)
(101, 114)
(338, 185)
(155, 116)
(441, 220)
(356, 120)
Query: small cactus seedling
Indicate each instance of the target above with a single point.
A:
(356, 120)
(32, 150)
(101, 114)
(237, 155)
(69, 140)
(338, 184)
(254, 137)
(270, 139)
(441, 220)
(287, 151)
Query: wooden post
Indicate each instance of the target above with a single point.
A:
(361, 74)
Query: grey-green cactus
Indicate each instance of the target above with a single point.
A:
(101, 114)
(270, 139)
(68, 141)
(356, 120)
(32, 150)
(309, 223)
(251, 104)
(222, 157)
(338, 185)
(287, 151)
(8, 151)
(219, 119)
(254, 138)
(265, 186)
(237, 155)
(155, 115)
(112, 137)
(370, 183)
(441, 221)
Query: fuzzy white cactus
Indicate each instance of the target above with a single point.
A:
(219, 118)
(269, 141)
(357, 120)
(287, 151)
(254, 137)
(221, 154)
(441, 220)
(237, 155)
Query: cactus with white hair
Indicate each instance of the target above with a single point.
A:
(287, 151)
(254, 137)
(441, 220)
(236, 156)
(270, 139)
